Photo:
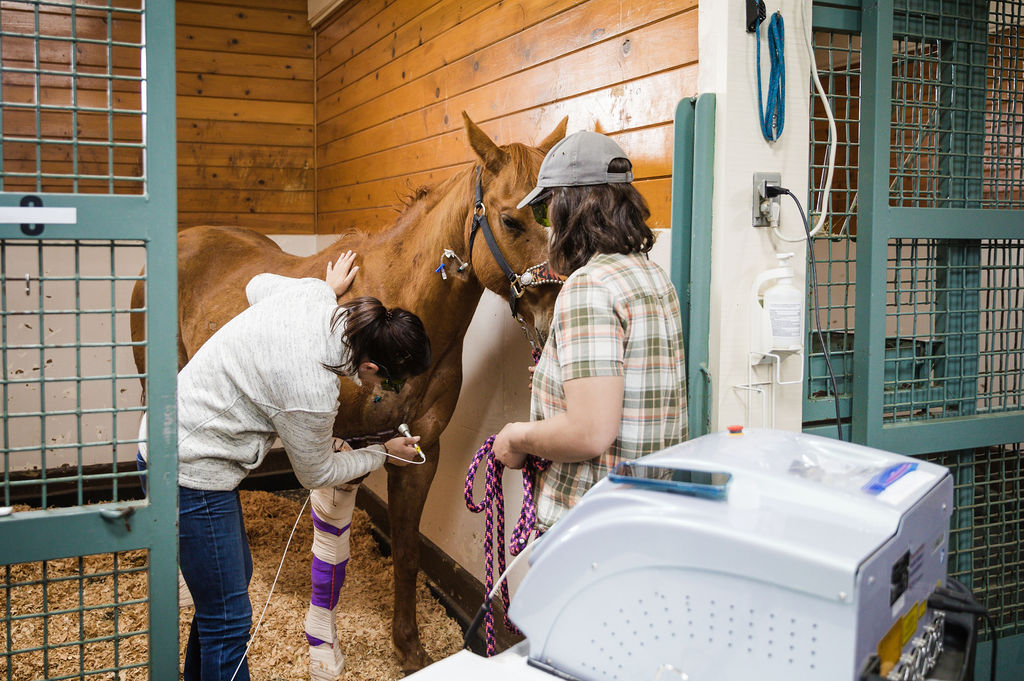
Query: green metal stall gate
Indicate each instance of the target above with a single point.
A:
(693, 161)
(87, 199)
(921, 264)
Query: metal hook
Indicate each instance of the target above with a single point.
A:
(28, 282)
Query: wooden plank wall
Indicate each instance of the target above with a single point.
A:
(245, 107)
(393, 77)
(245, 115)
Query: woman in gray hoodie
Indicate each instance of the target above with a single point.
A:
(273, 371)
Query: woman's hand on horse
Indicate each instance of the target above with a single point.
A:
(340, 274)
(404, 447)
(504, 451)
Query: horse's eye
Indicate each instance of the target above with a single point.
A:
(512, 224)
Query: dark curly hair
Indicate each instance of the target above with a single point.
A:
(601, 218)
(395, 338)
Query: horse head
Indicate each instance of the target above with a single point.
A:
(508, 248)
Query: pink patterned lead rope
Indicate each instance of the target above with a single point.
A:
(494, 500)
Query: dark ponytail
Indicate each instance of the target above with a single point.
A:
(395, 338)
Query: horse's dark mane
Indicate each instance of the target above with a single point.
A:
(520, 158)
(416, 201)
(412, 195)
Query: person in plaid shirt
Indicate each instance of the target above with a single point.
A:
(611, 382)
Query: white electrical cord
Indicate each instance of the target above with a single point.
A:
(403, 429)
(494, 591)
(279, 566)
(832, 133)
(501, 578)
(421, 460)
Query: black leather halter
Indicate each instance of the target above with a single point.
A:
(533, 276)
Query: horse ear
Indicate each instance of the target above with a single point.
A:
(556, 135)
(493, 157)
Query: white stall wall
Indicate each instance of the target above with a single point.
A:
(81, 307)
(739, 251)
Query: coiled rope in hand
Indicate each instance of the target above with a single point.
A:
(494, 502)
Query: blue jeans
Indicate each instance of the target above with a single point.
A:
(217, 565)
(140, 463)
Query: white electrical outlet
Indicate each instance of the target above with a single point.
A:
(765, 210)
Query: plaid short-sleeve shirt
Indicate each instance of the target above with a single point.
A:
(618, 315)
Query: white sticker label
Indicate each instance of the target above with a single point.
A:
(17, 215)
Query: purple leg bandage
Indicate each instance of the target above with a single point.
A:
(327, 580)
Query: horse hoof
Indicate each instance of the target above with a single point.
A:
(325, 663)
(414, 661)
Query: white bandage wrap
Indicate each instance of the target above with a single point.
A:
(184, 595)
(332, 518)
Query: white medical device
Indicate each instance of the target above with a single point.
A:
(763, 555)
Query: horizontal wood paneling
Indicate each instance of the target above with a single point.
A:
(245, 115)
(267, 223)
(289, 17)
(245, 107)
(392, 79)
(605, 110)
(242, 132)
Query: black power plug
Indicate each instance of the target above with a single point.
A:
(755, 14)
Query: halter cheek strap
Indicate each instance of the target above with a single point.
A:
(533, 276)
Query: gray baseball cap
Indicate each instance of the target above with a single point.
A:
(580, 159)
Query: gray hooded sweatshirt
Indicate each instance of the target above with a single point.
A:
(259, 376)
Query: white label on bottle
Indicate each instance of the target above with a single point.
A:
(785, 320)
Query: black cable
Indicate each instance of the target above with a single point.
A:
(475, 624)
(773, 191)
(995, 644)
(951, 600)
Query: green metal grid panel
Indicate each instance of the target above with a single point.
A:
(957, 311)
(951, 343)
(838, 60)
(693, 160)
(71, 110)
(986, 543)
(938, 351)
(77, 617)
(71, 391)
(87, 198)
(941, 99)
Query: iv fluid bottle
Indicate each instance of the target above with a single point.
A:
(784, 307)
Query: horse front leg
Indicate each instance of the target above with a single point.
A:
(331, 509)
(407, 491)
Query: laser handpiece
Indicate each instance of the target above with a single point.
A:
(403, 430)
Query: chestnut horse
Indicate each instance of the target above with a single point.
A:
(396, 265)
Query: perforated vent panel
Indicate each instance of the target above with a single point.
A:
(666, 617)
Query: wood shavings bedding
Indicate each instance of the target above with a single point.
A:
(279, 653)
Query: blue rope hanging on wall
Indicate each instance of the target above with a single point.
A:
(772, 116)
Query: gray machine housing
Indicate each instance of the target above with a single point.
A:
(798, 572)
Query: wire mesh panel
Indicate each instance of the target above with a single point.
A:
(955, 313)
(957, 112)
(71, 96)
(838, 63)
(937, 335)
(986, 541)
(74, 618)
(88, 582)
(70, 388)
